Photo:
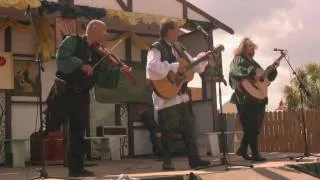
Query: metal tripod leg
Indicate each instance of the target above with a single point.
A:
(224, 160)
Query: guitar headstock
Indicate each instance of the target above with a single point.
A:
(218, 49)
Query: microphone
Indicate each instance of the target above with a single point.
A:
(200, 28)
(276, 49)
(224, 81)
(28, 11)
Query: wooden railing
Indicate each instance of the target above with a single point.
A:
(283, 131)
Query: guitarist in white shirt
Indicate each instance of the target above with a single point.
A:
(250, 110)
(174, 114)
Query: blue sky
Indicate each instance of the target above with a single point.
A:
(287, 24)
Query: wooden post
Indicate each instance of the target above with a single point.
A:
(8, 94)
(66, 2)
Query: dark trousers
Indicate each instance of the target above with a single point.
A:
(75, 107)
(177, 119)
(148, 119)
(251, 117)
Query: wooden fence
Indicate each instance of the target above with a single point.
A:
(283, 131)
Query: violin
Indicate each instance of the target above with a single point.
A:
(108, 55)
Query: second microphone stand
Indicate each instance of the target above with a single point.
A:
(303, 91)
(43, 174)
(224, 160)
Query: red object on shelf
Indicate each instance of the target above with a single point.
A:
(3, 61)
(54, 147)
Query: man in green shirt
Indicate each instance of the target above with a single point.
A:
(69, 96)
(250, 111)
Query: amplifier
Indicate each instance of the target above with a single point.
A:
(111, 130)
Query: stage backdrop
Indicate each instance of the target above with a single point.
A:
(126, 90)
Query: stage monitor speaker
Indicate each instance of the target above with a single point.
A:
(6, 71)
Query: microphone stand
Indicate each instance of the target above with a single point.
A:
(224, 160)
(38, 58)
(304, 90)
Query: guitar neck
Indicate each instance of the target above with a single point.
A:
(272, 67)
(193, 64)
(203, 58)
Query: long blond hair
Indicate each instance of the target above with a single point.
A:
(241, 47)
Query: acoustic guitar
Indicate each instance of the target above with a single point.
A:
(258, 89)
(171, 85)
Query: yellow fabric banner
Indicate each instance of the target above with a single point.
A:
(46, 36)
(137, 40)
(134, 18)
(134, 38)
(7, 22)
(45, 32)
(20, 4)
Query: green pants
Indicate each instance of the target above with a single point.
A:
(178, 119)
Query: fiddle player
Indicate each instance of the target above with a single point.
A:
(76, 57)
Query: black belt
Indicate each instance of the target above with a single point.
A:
(77, 89)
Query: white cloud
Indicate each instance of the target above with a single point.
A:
(278, 25)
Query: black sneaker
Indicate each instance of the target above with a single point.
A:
(83, 173)
(200, 163)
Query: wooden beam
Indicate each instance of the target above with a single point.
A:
(130, 130)
(214, 105)
(7, 39)
(69, 2)
(124, 6)
(184, 9)
(130, 5)
(117, 114)
(8, 93)
(19, 55)
(8, 112)
(203, 78)
(215, 22)
(29, 102)
(128, 50)
(213, 90)
(140, 34)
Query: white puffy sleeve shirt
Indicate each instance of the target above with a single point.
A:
(157, 69)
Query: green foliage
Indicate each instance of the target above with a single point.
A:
(310, 76)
